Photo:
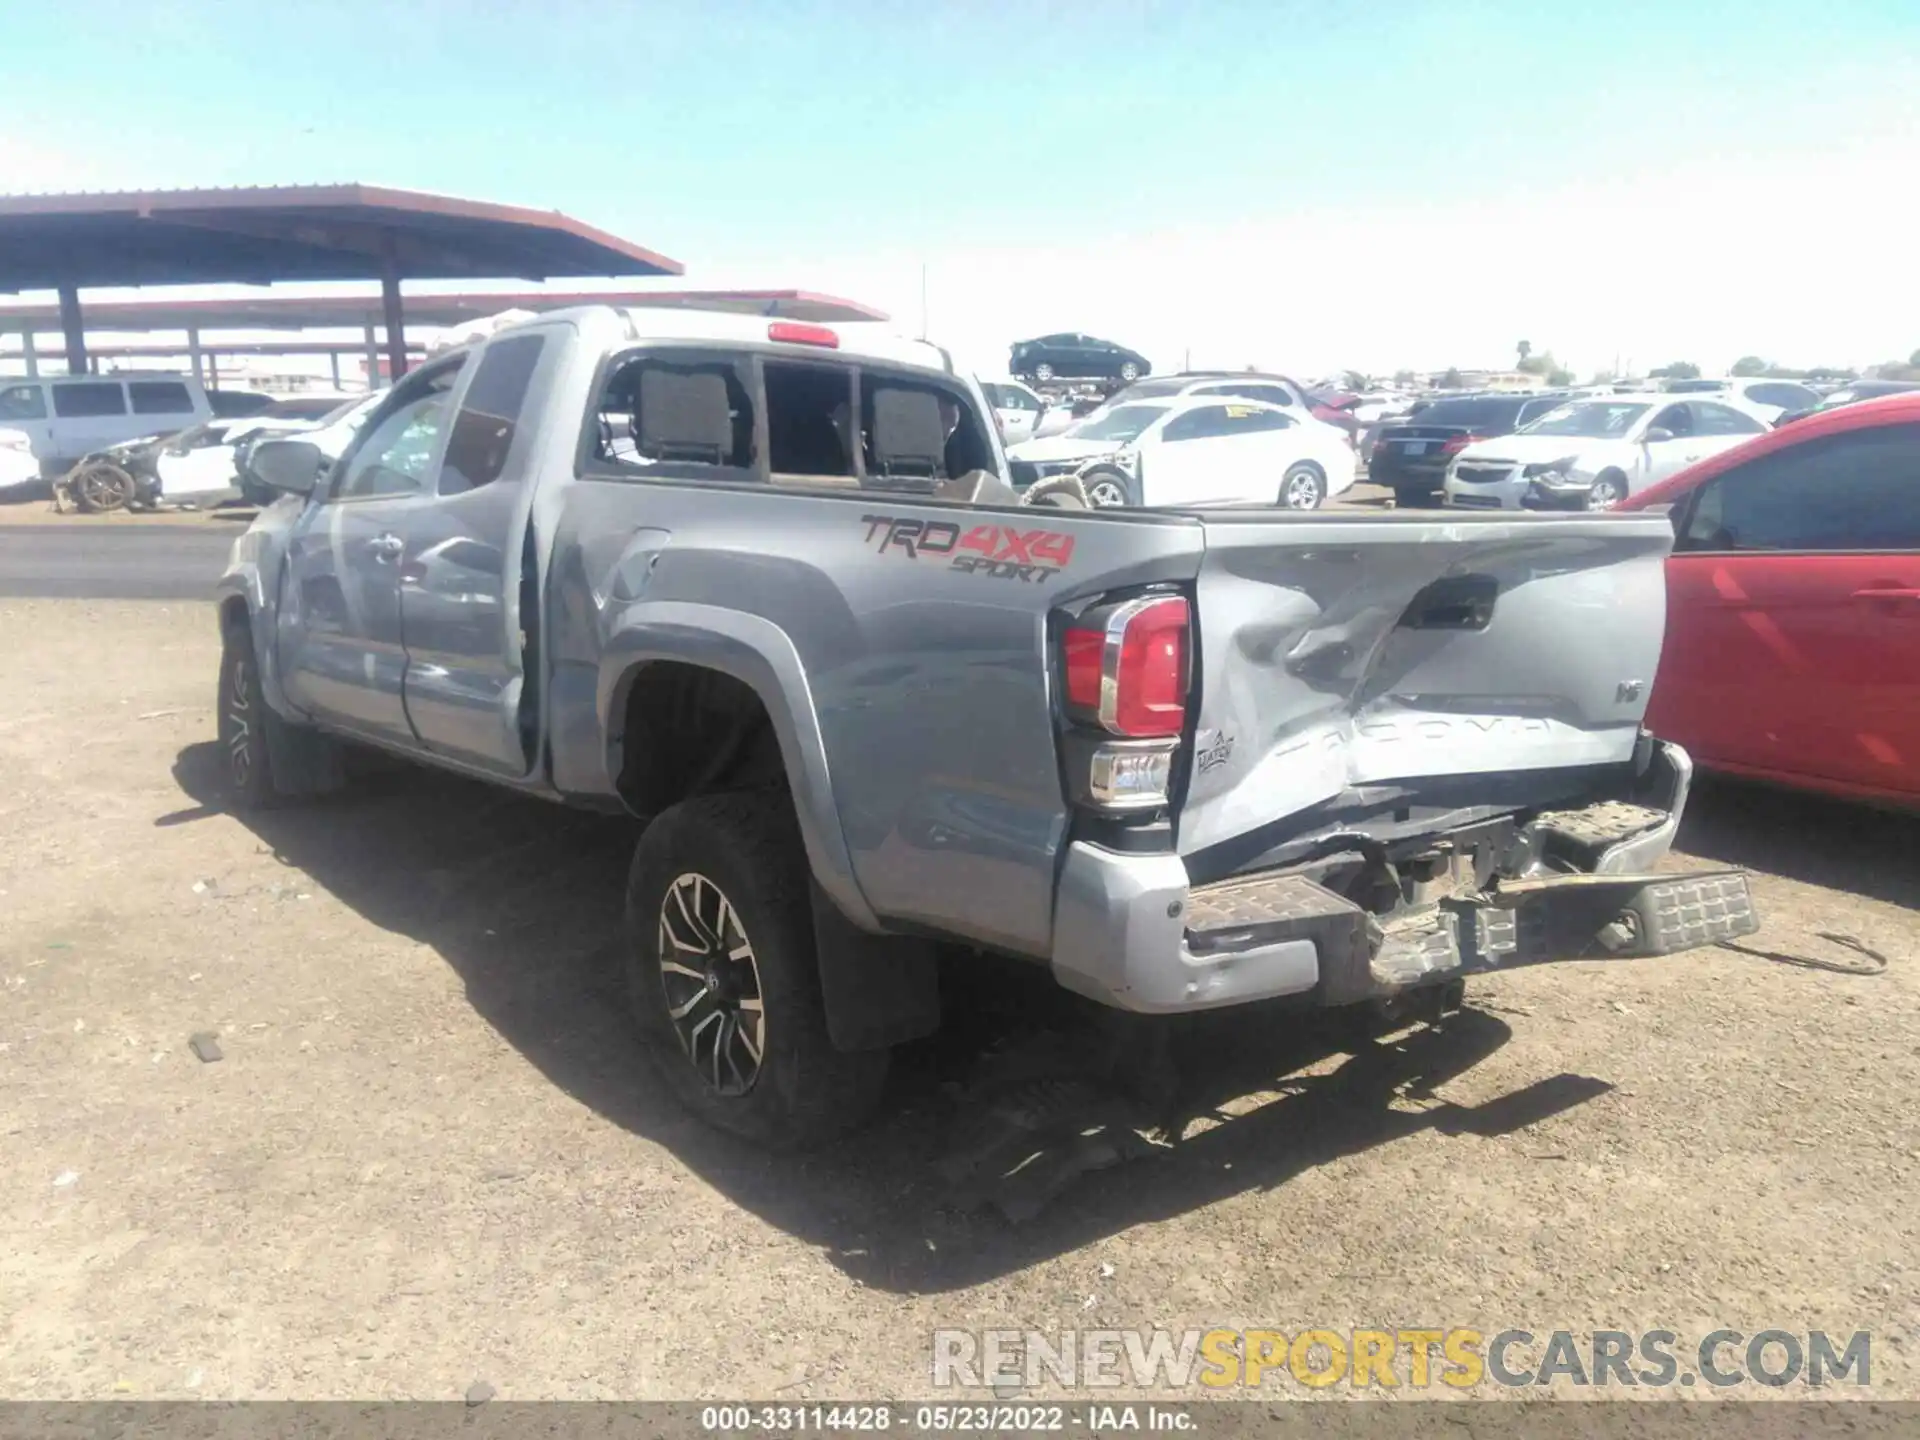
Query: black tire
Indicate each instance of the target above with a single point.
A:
(1609, 489)
(99, 486)
(1043, 372)
(744, 848)
(1303, 487)
(1103, 482)
(268, 760)
(1412, 498)
(1060, 492)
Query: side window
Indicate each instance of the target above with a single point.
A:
(1675, 420)
(489, 419)
(676, 414)
(23, 402)
(159, 397)
(1252, 420)
(1723, 420)
(1791, 397)
(84, 399)
(1272, 394)
(1013, 399)
(392, 458)
(1534, 409)
(1200, 424)
(1851, 492)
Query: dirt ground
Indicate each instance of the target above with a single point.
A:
(431, 1154)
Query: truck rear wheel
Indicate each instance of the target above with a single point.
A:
(723, 977)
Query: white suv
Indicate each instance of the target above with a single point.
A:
(69, 416)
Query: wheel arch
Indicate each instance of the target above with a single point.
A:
(756, 655)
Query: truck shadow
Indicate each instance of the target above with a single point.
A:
(523, 899)
(1852, 848)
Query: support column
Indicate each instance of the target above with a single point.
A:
(373, 361)
(193, 354)
(335, 358)
(28, 353)
(391, 310)
(76, 331)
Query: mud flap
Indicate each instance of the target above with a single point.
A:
(878, 990)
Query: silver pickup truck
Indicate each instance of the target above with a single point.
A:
(765, 586)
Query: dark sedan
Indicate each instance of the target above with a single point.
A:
(1852, 395)
(1075, 357)
(1412, 456)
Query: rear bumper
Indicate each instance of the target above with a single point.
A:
(1131, 932)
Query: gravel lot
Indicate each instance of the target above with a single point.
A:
(430, 1155)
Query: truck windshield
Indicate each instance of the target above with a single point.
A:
(1124, 424)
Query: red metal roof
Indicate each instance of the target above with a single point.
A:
(256, 235)
(315, 312)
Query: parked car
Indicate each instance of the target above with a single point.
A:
(1064, 412)
(1769, 399)
(761, 584)
(1069, 356)
(1592, 454)
(237, 404)
(1016, 408)
(70, 417)
(1793, 605)
(1246, 385)
(1853, 394)
(1411, 455)
(331, 434)
(201, 460)
(1196, 450)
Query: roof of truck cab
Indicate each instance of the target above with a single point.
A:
(614, 327)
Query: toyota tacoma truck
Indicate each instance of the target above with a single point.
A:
(765, 586)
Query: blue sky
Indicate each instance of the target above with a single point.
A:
(1241, 180)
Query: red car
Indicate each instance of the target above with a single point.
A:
(1793, 605)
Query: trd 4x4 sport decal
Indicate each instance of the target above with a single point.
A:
(1005, 552)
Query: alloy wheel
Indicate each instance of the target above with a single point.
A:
(1604, 495)
(1301, 491)
(239, 725)
(1106, 494)
(712, 984)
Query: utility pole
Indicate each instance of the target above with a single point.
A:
(923, 299)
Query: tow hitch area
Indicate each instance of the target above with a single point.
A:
(1517, 922)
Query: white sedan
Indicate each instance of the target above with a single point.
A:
(1592, 454)
(1196, 450)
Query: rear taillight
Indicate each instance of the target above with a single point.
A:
(1126, 672)
(1460, 442)
(1127, 669)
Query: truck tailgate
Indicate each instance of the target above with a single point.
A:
(1337, 652)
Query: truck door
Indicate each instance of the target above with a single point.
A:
(342, 653)
(461, 586)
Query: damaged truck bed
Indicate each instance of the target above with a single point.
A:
(767, 588)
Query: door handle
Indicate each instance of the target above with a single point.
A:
(386, 547)
(1886, 590)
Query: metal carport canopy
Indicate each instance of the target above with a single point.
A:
(259, 235)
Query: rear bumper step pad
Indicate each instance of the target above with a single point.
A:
(1521, 922)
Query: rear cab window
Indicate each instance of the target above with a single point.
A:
(725, 415)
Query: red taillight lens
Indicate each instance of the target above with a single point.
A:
(794, 333)
(1460, 442)
(1128, 671)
